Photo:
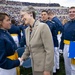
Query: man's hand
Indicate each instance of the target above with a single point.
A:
(21, 61)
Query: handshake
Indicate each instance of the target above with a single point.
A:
(21, 61)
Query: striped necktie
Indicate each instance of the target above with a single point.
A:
(32, 27)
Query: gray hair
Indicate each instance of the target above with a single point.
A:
(28, 9)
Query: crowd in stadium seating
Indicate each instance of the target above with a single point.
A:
(7, 6)
(18, 27)
(27, 3)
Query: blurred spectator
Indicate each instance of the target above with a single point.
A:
(15, 32)
(64, 21)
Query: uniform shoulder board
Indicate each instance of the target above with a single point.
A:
(52, 21)
(69, 20)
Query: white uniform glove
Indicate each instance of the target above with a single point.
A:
(21, 61)
(60, 51)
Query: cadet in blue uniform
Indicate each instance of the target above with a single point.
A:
(67, 36)
(15, 32)
(59, 28)
(23, 37)
(52, 26)
(58, 23)
(8, 57)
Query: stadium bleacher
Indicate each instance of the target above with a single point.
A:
(13, 8)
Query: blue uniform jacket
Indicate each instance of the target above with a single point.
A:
(68, 33)
(7, 48)
(59, 26)
(53, 31)
(23, 38)
(15, 30)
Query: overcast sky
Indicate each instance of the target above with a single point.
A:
(67, 3)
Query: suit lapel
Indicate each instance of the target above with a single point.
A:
(34, 29)
(28, 35)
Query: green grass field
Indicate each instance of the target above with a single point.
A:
(62, 69)
(28, 71)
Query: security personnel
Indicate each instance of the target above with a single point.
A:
(9, 61)
(52, 26)
(15, 32)
(67, 36)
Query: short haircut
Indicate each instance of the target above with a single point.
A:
(45, 11)
(30, 9)
(72, 7)
(50, 12)
(2, 16)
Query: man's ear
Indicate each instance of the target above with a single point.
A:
(31, 15)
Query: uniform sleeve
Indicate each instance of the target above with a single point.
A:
(6, 63)
(49, 47)
(58, 24)
(19, 33)
(62, 41)
(54, 34)
(27, 51)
